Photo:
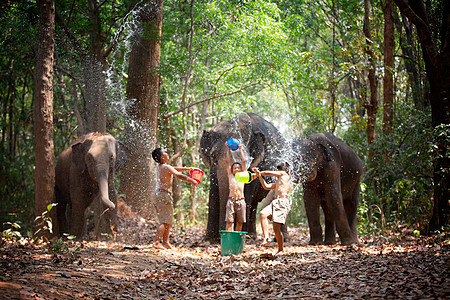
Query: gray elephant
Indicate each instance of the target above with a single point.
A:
(84, 173)
(330, 172)
(264, 145)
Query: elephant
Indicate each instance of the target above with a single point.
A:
(263, 143)
(84, 173)
(330, 172)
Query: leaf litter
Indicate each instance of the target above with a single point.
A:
(395, 266)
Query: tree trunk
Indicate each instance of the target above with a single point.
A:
(143, 90)
(437, 65)
(176, 184)
(95, 75)
(43, 112)
(372, 105)
(410, 55)
(388, 79)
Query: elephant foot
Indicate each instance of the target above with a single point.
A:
(349, 242)
(330, 242)
(315, 242)
(212, 240)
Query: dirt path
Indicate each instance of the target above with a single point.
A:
(390, 268)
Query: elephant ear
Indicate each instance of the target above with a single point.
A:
(207, 146)
(78, 153)
(256, 147)
(326, 147)
(121, 155)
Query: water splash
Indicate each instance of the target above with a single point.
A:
(287, 150)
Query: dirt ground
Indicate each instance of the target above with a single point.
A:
(398, 266)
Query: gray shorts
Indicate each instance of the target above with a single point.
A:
(235, 211)
(278, 209)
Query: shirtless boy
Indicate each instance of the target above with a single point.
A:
(163, 196)
(235, 209)
(280, 205)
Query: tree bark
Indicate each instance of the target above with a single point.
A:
(143, 91)
(95, 75)
(176, 185)
(437, 65)
(388, 79)
(411, 58)
(43, 112)
(372, 105)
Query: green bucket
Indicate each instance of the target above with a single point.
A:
(232, 242)
(245, 176)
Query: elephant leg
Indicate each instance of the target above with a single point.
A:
(68, 216)
(312, 206)
(223, 195)
(212, 228)
(101, 218)
(61, 212)
(254, 193)
(250, 225)
(78, 221)
(351, 208)
(335, 204)
(330, 227)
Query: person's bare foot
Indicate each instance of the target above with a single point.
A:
(279, 252)
(167, 246)
(265, 242)
(158, 245)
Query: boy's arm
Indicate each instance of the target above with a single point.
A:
(265, 185)
(271, 173)
(182, 176)
(228, 160)
(244, 162)
(182, 169)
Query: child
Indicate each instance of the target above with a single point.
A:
(163, 196)
(236, 206)
(280, 205)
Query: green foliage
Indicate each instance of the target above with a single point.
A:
(297, 215)
(12, 232)
(400, 185)
(17, 187)
(44, 223)
(60, 246)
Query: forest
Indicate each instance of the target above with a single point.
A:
(159, 73)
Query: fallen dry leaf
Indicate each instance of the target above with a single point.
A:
(129, 268)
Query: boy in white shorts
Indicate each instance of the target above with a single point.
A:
(280, 205)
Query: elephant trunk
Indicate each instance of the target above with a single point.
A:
(99, 169)
(104, 193)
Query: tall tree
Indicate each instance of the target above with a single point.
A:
(409, 53)
(143, 92)
(372, 104)
(388, 78)
(43, 108)
(436, 54)
(95, 72)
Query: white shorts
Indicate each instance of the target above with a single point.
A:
(278, 209)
